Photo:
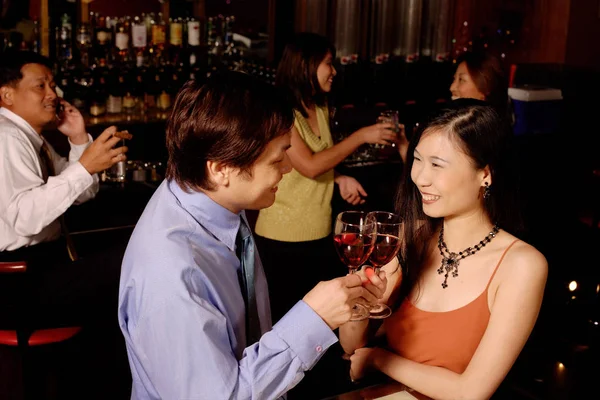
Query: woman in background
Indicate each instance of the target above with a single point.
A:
(294, 235)
(469, 292)
(478, 75)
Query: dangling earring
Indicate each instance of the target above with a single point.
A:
(487, 191)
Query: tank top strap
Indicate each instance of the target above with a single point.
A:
(499, 262)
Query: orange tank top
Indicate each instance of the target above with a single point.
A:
(443, 339)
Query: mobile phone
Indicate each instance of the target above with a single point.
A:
(60, 108)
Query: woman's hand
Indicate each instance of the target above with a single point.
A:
(380, 133)
(361, 362)
(350, 189)
(402, 142)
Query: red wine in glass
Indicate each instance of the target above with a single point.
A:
(354, 235)
(353, 249)
(385, 248)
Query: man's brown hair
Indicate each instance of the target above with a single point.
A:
(231, 118)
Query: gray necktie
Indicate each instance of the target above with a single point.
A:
(246, 251)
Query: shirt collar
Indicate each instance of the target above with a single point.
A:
(35, 138)
(218, 220)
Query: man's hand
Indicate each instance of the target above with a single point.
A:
(71, 123)
(333, 300)
(101, 155)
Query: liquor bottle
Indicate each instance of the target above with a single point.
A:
(162, 81)
(98, 96)
(157, 46)
(138, 88)
(228, 31)
(140, 40)
(151, 88)
(193, 41)
(103, 43)
(82, 83)
(64, 83)
(122, 42)
(211, 33)
(64, 44)
(175, 40)
(83, 41)
(36, 45)
(116, 86)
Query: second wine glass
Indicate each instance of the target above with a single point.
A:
(385, 248)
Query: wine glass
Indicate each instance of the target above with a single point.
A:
(385, 248)
(353, 238)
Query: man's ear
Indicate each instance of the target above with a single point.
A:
(6, 95)
(218, 173)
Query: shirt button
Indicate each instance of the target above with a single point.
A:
(319, 349)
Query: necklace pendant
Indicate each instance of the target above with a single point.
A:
(450, 261)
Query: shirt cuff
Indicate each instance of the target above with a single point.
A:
(79, 177)
(80, 148)
(306, 333)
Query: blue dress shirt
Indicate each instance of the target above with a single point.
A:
(182, 313)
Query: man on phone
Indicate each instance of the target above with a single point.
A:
(37, 186)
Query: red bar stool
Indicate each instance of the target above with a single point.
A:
(24, 338)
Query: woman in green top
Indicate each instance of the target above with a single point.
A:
(294, 234)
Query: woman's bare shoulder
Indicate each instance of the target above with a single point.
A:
(523, 260)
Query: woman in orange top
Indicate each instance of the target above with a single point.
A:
(469, 292)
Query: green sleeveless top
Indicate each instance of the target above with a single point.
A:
(302, 208)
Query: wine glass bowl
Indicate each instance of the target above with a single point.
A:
(354, 236)
(385, 247)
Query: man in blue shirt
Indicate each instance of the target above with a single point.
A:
(183, 302)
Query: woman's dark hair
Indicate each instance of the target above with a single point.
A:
(13, 61)
(297, 70)
(488, 75)
(229, 119)
(486, 139)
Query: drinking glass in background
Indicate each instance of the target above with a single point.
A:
(354, 236)
(385, 248)
(391, 117)
(118, 172)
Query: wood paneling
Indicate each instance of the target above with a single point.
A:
(583, 49)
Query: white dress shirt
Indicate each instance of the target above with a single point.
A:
(30, 207)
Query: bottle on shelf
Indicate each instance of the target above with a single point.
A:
(98, 97)
(139, 33)
(175, 40)
(82, 83)
(193, 42)
(116, 86)
(84, 44)
(103, 41)
(36, 43)
(157, 44)
(122, 42)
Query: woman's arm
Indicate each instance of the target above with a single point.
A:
(312, 164)
(513, 315)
